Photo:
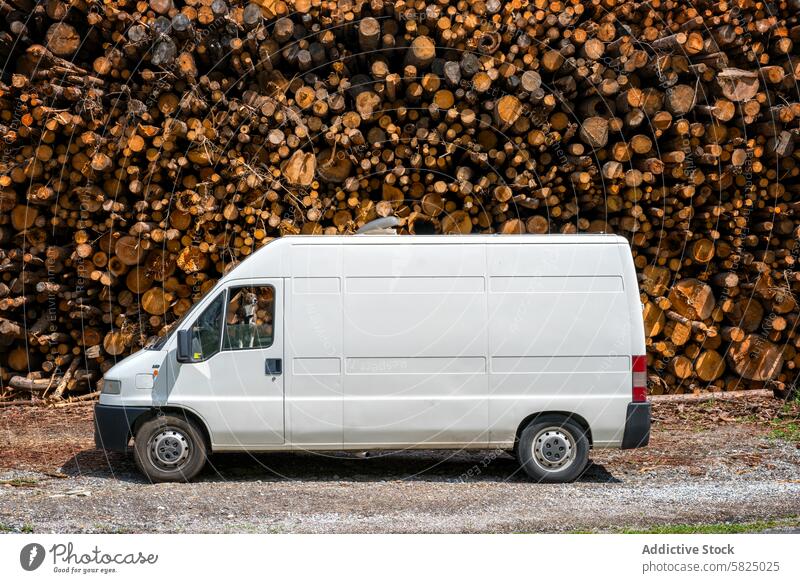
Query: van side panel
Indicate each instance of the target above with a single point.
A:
(314, 346)
(415, 342)
(431, 344)
(559, 336)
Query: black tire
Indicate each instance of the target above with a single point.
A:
(169, 448)
(557, 436)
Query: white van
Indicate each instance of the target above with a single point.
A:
(532, 344)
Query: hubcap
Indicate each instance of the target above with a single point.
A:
(169, 449)
(553, 449)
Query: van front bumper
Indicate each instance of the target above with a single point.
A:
(113, 424)
(637, 426)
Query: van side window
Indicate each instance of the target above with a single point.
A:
(207, 329)
(249, 318)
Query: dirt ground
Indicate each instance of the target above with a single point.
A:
(708, 462)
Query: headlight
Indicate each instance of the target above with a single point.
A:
(112, 387)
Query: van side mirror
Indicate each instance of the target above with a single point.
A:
(184, 353)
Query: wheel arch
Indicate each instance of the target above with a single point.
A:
(187, 414)
(580, 420)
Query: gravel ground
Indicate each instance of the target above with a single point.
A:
(705, 464)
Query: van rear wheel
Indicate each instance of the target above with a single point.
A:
(553, 449)
(168, 448)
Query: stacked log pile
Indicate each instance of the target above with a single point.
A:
(148, 146)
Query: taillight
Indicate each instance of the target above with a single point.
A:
(639, 370)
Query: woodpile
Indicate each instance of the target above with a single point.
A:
(148, 146)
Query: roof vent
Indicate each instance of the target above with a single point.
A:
(382, 226)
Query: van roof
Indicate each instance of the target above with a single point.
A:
(587, 238)
(276, 250)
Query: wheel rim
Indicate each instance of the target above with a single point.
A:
(554, 449)
(169, 449)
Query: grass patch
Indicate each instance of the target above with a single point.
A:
(717, 528)
(789, 407)
(786, 431)
(786, 424)
(20, 482)
(24, 529)
(98, 528)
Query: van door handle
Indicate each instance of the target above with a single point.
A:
(274, 366)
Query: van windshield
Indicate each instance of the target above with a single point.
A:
(158, 342)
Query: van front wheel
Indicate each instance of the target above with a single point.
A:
(553, 449)
(169, 449)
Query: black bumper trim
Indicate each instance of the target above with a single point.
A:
(112, 425)
(637, 426)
